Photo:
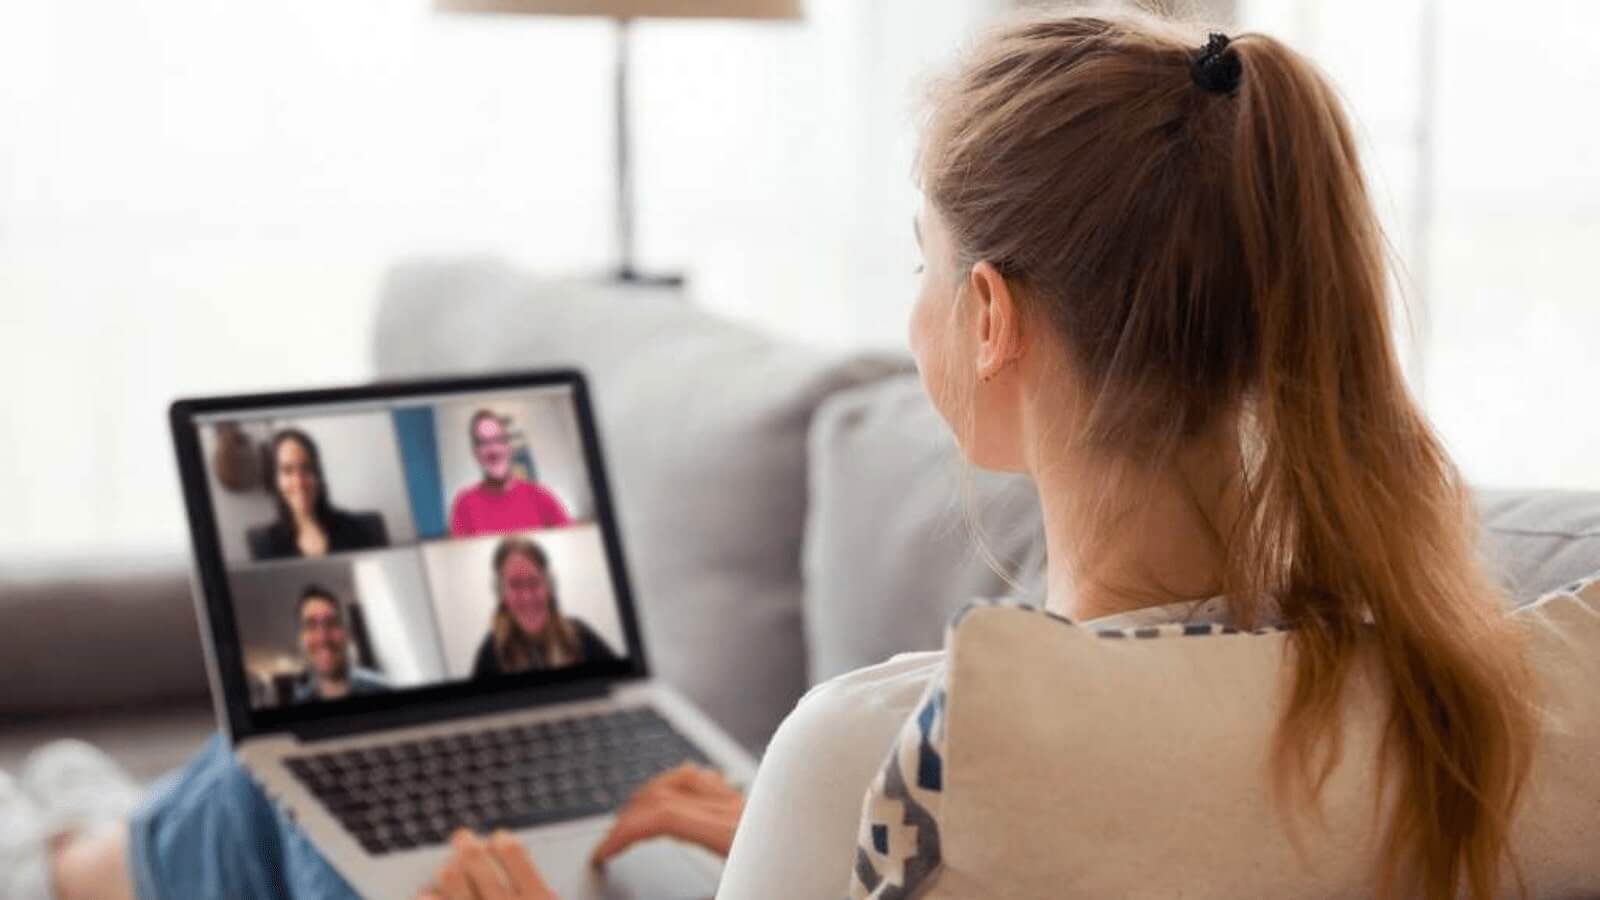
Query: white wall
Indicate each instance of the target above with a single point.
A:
(199, 197)
(236, 512)
(461, 576)
(546, 422)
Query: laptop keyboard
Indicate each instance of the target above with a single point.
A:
(417, 793)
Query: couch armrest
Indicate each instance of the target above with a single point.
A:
(76, 637)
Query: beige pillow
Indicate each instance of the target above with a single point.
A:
(1056, 761)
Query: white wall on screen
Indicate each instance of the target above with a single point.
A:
(394, 600)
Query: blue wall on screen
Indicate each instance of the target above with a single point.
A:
(419, 454)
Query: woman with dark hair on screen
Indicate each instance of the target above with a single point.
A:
(308, 523)
(528, 631)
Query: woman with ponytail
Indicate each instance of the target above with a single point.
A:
(1167, 271)
(1155, 285)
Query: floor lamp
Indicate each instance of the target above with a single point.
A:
(624, 12)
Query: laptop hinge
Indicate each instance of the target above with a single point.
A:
(413, 716)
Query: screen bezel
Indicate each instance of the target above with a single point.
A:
(412, 705)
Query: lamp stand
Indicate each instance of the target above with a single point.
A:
(626, 271)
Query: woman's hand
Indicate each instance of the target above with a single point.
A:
(689, 803)
(497, 869)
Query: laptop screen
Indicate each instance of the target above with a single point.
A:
(383, 546)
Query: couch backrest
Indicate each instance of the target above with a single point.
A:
(889, 557)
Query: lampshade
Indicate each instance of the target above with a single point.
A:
(632, 9)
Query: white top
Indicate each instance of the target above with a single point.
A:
(797, 838)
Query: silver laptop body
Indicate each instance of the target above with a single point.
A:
(364, 775)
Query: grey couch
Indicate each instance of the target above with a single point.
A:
(788, 514)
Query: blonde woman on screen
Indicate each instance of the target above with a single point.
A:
(529, 631)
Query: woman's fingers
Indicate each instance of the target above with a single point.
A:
(497, 869)
(691, 775)
(451, 883)
(482, 871)
(689, 802)
(709, 823)
(688, 778)
(671, 781)
(525, 879)
(634, 824)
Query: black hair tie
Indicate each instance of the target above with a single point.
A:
(1214, 68)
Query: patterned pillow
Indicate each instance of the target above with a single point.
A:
(898, 847)
(994, 790)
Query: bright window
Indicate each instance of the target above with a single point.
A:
(1488, 163)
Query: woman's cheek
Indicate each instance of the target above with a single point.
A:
(934, 355)
(925, 343)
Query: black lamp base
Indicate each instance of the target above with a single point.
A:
(631, 276)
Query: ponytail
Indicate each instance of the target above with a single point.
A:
(1190, 220)
(1358, 513)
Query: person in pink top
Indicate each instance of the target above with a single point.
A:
(501, 501)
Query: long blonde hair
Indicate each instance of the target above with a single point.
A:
(516, 650)
(1195, 229)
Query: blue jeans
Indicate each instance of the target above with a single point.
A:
(208, 831)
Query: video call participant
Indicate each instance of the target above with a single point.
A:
(528, 631)
(325, 644)
(501, 501)
(308, 523)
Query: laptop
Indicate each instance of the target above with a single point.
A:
(417, 617)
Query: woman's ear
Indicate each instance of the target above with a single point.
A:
(999, 332)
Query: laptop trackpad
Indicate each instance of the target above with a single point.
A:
(653, 870)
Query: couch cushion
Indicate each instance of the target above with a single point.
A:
(116, 633)
(703, 423)
(898, 527)
(888, 556)
(1054, 757)
(1537, 541)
